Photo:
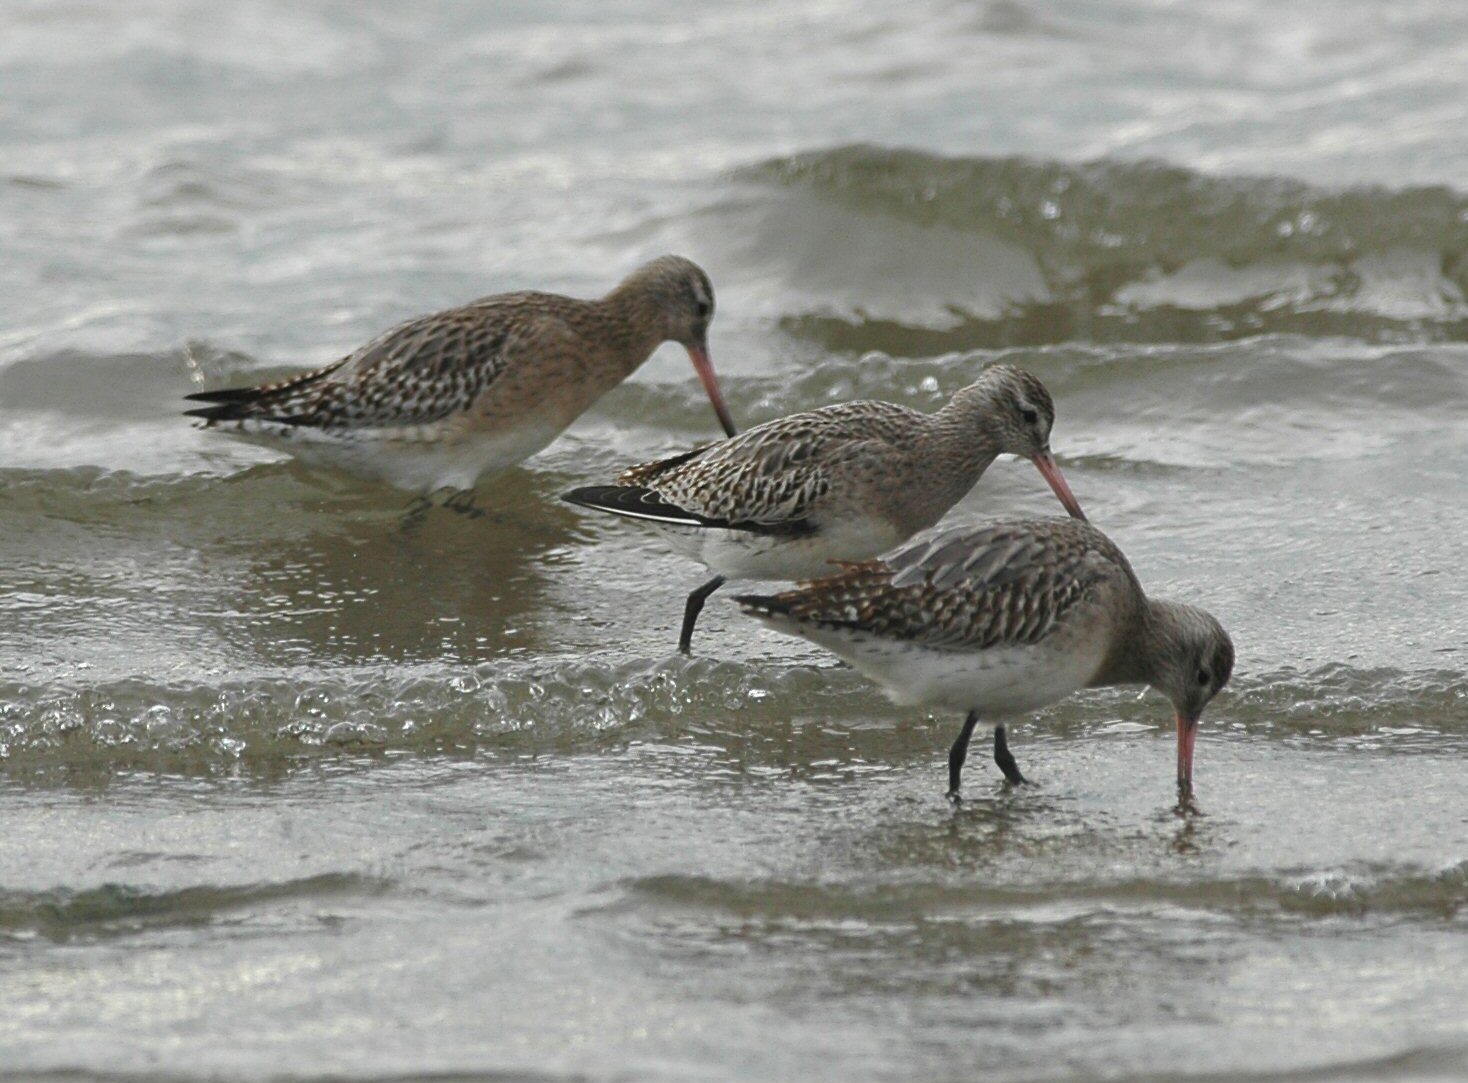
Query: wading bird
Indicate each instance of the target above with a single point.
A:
(788, 498)
(1001, 619)
(446, 398)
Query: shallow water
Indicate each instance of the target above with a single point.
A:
(288, 791)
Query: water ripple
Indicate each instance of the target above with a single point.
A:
(123, 909)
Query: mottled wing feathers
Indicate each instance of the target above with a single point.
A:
(1003, 584)
(419, 372)
(437, 365)
(649, 473)
(778, 472)
(639, 502)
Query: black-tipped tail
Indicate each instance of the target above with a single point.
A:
(638, 502)
(231, 404)
(226, 394)
(633, 502)
(280, 402)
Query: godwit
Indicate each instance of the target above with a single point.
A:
(445, 398)
(1005, 618)
(789, 497)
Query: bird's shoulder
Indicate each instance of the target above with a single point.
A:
(792, 446)
(989, 555)
(482, 337)
(997, 584)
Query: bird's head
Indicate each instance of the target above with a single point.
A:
(1020, 414)
(680, 298)
(1192, 659)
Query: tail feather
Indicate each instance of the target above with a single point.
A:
(643, 473)
(257, 408)
(229, 411)
(764, 605)
(225, 394)
(634, 502)
(640, 502)
(261, 401)
(843, 599)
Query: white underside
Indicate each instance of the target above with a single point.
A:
(741, 554)
(998, 682)
(416, 458)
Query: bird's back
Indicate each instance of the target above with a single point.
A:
(418, 373)
(779, 471)
(1004, 617)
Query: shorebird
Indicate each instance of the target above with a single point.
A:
(788, 498)
(1004, 618)
(445, 398)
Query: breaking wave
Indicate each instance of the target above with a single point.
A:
(913, 253)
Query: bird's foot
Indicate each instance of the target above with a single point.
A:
(1187, 804)
(1005, 758)
(462, 503)
(416, 514)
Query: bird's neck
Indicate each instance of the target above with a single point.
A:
(963, 434)
(955, 451)
(1139, 656)
(629, 325)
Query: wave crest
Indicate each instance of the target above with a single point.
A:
(1014, 251)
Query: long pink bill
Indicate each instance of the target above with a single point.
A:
(1187, 732)
(1045, 463)
(704, 366)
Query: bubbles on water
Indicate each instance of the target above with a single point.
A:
(160, 723)
(465, 684)
(354, 733)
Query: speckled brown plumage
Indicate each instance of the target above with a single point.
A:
(789, 497)
(1003, 618)
(879, 457)
(419, 372)
(446, 396)
(1005, 584)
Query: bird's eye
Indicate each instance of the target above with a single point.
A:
(702, 309)
(1203, 677)
(1030, 416)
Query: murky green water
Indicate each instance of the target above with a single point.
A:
(289, 792)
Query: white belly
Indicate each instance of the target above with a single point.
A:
(741, 554)
(997, 682)
(417, 458)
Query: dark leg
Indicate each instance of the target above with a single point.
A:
(1004, 758)
(957, 754)
(693, 609)
(416, 513)
(461, 502)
